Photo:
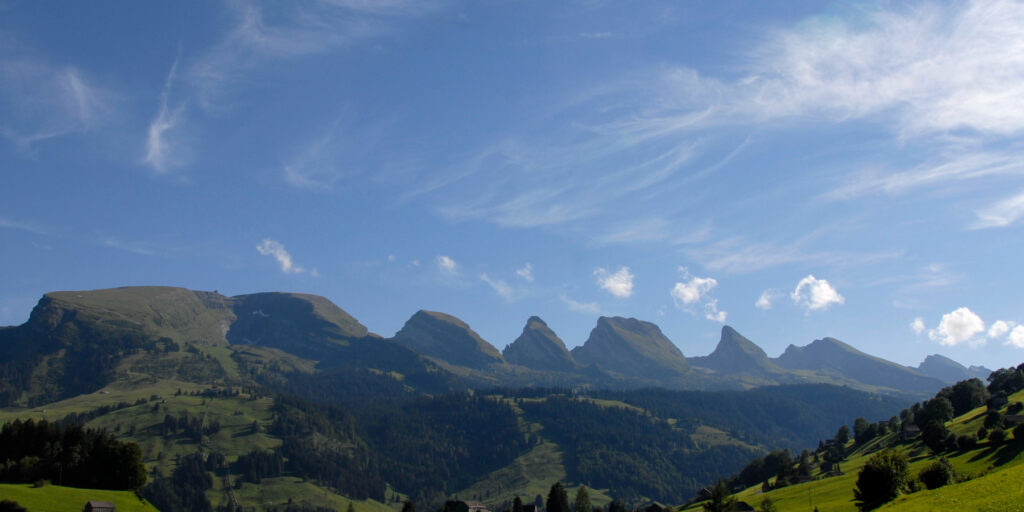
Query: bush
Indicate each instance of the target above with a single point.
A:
(11, 506)
(882, 479)
(997, 436)
(938, 474)
(966, 442)
(982, 433)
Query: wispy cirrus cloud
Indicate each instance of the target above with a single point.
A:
(40, 100)
(163, 148)
(591, 308)
(264, 33)
(1001, 214)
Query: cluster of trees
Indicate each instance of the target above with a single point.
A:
(258, 464)
(191, 427)
(185, 489)
(69, 455)
(633, 452)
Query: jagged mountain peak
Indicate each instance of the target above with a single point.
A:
(950, 371)
(539, 348)
(737, 354)
(447, 338)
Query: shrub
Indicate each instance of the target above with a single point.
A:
(997, 436)
(966, 442)
(938, 474)
(982, 433)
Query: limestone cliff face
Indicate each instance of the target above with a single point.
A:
(631, 347)
(448, 339)
(539, 348)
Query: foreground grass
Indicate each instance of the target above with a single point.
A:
(54, 498)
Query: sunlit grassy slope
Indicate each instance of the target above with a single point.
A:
(54, 498)
(995, 473)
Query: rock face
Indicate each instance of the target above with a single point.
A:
(830, 356)
(539, 348)
(631, 347)
(306, 325)
(448, 339)
(737, 354)
(950, 371)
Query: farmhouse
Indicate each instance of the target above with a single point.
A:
(100, 506)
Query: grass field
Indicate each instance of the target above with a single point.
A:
(994, 473)
(54, 498)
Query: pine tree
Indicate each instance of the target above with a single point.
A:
(517, 504)
(720, 500)
(558, 500)
(582, 500)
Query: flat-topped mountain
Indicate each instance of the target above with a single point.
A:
(950, 371)
(539, 348)
(736, 354)
(448, 339)
(631, 347)
(829, 356)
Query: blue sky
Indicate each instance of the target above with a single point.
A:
(796, 170)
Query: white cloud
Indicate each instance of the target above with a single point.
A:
(767, 298)
(693, 291)
(812, 294)
(500, 287)
(688, 292)
(1001, 214)
(525, 273)
(917, 325)
(446, 264)
(582, 307)
(1000, 328)
(619, 283)
(163, 151)
(958, 327)
(1016, 337)
(275, 249)
(712, 313)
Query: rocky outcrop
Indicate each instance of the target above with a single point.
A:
(539, 348)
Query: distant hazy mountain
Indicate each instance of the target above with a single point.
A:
(631, 347)
(830, 356)
(448, 339)
(539, 348)
(736, 354)
(950, 371)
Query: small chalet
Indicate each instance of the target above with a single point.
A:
(909, 431)
(529, 507)
(742, 506)
(100, 506)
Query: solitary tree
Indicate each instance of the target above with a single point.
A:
(558, 500)
(881, 480)
(843, 435)
(768, 505)
(582, 500)
(517, 504)
(720, 500)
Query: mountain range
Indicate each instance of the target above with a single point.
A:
(433, 411)
(74, 342)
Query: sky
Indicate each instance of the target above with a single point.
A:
(795, 170)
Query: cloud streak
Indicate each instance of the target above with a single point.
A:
(276, 250)
(162, 151)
